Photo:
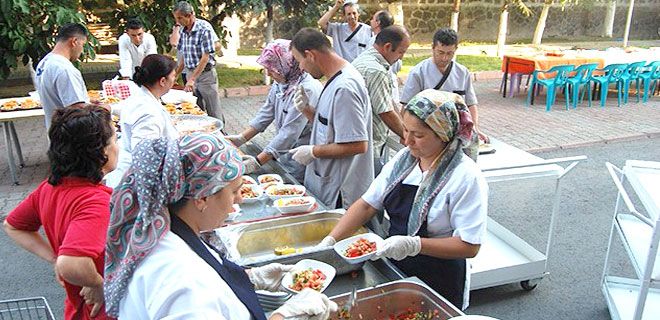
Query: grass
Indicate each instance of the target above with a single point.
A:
(239, 77)
(473, 63)
(249, 52)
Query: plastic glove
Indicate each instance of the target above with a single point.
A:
(300, 99)
(251, 164)
(269, 277)
(236, 139)
(303, 154)
(328, 241)
(308, 304)
(399, 247)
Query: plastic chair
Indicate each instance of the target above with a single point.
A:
(651, 74)
(611, 74)
(581, 78)
(558, 81)
(631, 74)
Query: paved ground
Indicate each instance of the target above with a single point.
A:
(550, 134)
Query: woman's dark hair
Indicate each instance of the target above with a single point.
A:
(78, 137)
(154, 67)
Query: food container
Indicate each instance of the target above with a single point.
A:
(253, 244)
(282, 191)
(394, 298)
(295, 204)
(187, 124)
(306, 264)
(270, 178)
(255, 188)
(341, 246)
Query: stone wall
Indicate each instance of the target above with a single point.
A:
(479, 20)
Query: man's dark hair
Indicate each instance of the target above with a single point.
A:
(393, 35)
(152, 69)
(71, 30)
(445, 36)
(78, 137)
(310, 39)
(384, 18)
(134, 24)
(350, 4)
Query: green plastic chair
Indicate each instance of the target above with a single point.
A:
(612, 74)
(631, 74)
(651, 74)
(581, 78)
(559, 80)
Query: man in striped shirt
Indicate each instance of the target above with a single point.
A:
(390, 45)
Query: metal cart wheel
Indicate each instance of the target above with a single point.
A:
(529, 285)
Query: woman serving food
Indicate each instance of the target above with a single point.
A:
(434, 194)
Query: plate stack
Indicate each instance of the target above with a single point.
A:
(272, 300)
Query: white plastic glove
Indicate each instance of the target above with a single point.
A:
(399, 247)
(303, 154)
(269, 277)
(236, 139)
(328, 241)
(308, 304)
(251, 164)
(300, 99)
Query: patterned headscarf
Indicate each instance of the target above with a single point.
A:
(163, 172)
(277, 56)
(446, 114)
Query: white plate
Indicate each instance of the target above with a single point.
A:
(341, 246)
(281, 204)
(328, 270)
(300, 191)
(256, 189)
(277, 177)
(248, 180)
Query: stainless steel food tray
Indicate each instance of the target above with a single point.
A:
(393, 298)
(253, 243)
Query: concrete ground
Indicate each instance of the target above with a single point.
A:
(533, 129)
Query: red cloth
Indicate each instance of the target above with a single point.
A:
(75, 216)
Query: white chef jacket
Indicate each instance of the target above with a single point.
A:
(173, 282)
(459, 209)
(142, 117)
(130, 55)
(425, 75)
(343, 114)
(349, 50)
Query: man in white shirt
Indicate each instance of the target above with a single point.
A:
(349, 38)
(58, 82)
(134, 45)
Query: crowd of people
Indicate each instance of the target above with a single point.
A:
(126, 227)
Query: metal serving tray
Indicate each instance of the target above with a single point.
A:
(255, 242)
(396, 297)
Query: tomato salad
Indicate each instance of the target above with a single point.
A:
(360, 247)
(310, 278)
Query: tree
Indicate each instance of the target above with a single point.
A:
(504, 22)
(608, 24)
(456, 9)
(29, 27)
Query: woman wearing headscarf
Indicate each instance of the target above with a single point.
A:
(434, 194)
(292, 129)
(142, 114)
(157, 264)
(72, 207)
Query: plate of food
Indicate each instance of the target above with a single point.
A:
(295, 204)
(10, 105)
(251, 193)
(486, 148)
(280, 191)
(248, 180)
(358, 248)
(270, 178)
(308, 273)
(15, 105)
(188, 123)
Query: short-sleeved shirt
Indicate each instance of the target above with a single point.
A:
(343, 114)
(195, 42)
(75, 216)
(131, 56)
(59, 84)
(375, 70)
(425, 75)
(394, 70)
(460, 208)
(349, 50)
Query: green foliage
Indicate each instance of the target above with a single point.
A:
(239, 77)
(473, 63)
(29, 28)
(301, 13)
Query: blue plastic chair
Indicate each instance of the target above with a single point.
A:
(581, 78)
(631, 74)
(651, 74)
(612, 74)
(559, 80)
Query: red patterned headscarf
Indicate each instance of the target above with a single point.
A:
(278, 57)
